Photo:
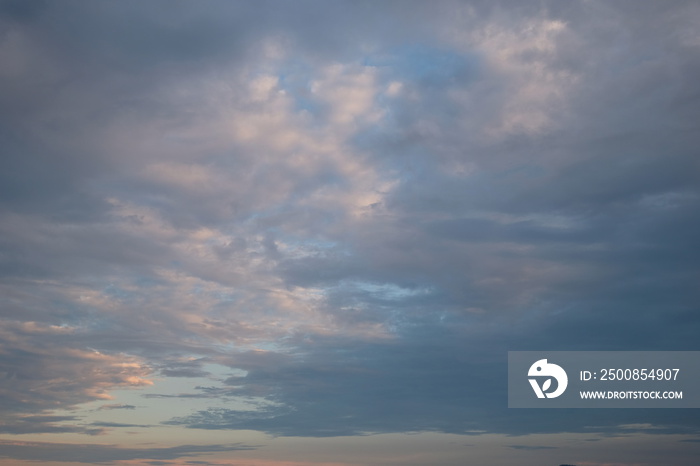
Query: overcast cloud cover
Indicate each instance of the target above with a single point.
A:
(331, 219)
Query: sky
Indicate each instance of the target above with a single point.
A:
(307, 233)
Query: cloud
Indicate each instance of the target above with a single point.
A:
(115, 424)
(356, 229)
(439, 380)
(95, 453)
(531, 447)
(116, 406)
(44, 371)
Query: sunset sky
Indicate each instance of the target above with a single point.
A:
(307, 233)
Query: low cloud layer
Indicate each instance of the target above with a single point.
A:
(98, 454)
